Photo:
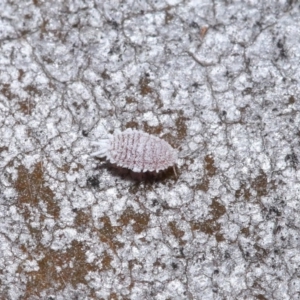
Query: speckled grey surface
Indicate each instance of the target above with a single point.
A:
(219, 80)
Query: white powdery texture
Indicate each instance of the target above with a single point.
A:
(137, 151)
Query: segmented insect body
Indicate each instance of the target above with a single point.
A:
(137, 151)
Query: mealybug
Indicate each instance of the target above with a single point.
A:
(137, 151)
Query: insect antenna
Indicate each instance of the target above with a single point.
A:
(174, 169)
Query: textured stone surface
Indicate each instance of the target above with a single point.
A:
(217, 80)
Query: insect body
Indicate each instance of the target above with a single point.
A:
(137, 151)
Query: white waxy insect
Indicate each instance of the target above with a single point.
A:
(137, 151)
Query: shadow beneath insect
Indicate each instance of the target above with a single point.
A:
(129, 175)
